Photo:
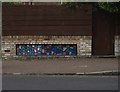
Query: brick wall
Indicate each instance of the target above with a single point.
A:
(117, 46)
(9, 43)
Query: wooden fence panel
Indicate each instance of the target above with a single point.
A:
(103, 34)
(46, 20)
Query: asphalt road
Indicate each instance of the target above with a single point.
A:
(55, 82)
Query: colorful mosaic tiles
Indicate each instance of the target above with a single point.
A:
(46, 49)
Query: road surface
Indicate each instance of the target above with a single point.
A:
(56, 82)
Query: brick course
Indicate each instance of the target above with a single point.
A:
(9, 43)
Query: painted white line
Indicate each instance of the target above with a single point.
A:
(103, 71)
(80, 73)
(17, 73)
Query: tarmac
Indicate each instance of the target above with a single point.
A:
(60, 66)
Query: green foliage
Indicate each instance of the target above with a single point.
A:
(12, 3)
(112, 7)
(72, 5)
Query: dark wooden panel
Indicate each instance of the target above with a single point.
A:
(47, 32)
(46, 10)
(47, 13)
(47, 20)
(44, 7)
(117, 31)
(73, 28)
(46, 23)
(103, 34)
(44, 17)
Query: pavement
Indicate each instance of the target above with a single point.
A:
(60, 65)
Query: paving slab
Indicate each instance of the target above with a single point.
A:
(76, 65)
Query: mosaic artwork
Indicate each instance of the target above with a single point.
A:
(46, 49)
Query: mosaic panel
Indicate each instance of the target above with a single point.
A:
(46, 49)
